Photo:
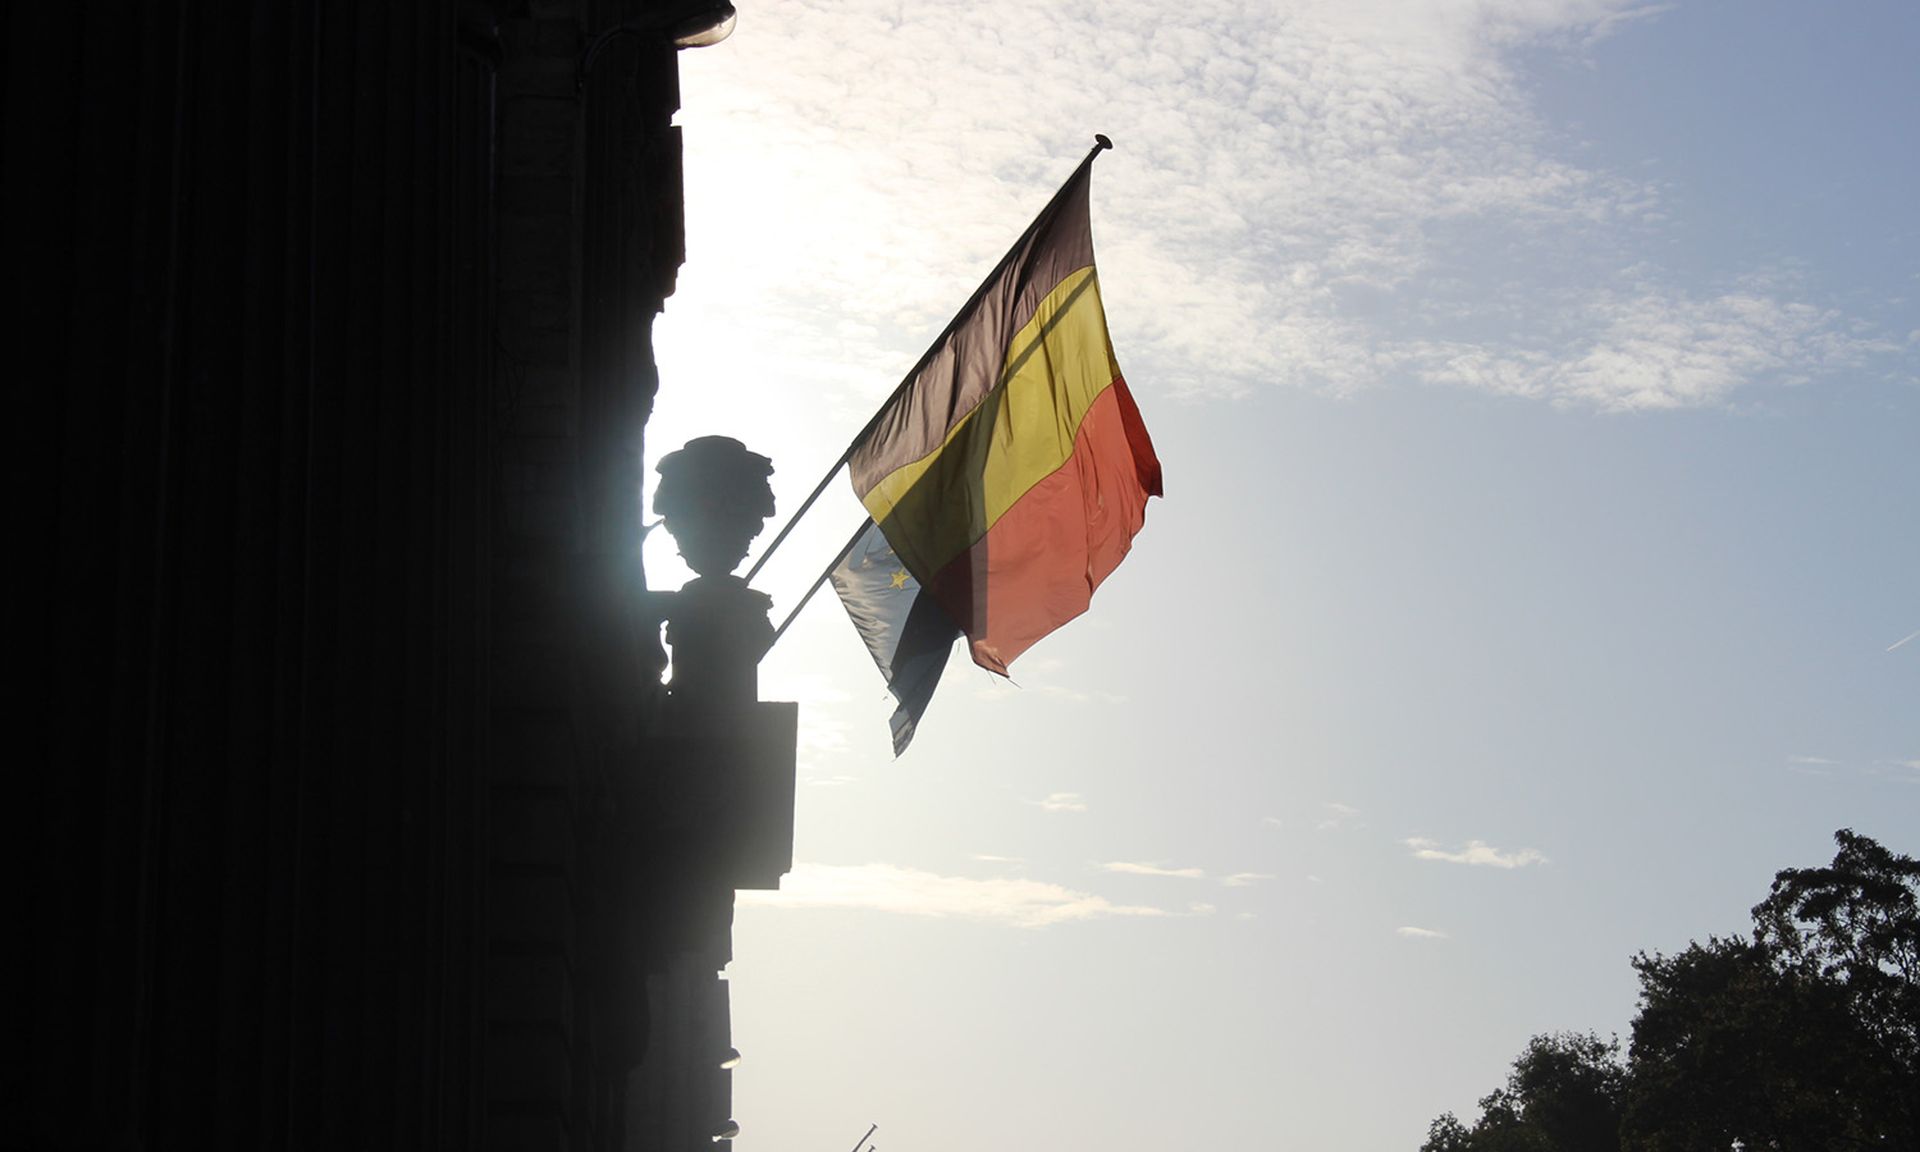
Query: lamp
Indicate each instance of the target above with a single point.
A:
(706, 27)
(697, 24)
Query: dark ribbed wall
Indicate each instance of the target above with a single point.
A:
(333, 363)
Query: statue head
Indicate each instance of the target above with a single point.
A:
(714, 497)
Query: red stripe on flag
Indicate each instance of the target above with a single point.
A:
(1038, 566)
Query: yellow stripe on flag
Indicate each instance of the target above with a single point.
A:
(1056, 366)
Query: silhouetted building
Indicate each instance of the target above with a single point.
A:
(353, 815)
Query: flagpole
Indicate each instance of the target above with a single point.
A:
(818, 581)
(1100, 144)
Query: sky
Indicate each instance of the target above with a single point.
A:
(1537, 384)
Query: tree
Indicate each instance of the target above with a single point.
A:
(1729, 1047)
(1563, 1094)
(1856, 923)
(1806, 1036)
(1447, 1134)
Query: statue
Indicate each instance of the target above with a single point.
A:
(714, 499)
(722, 788)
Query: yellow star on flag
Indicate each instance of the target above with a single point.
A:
(900, 578)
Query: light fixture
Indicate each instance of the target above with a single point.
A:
(731, 1059)
(702, 22)
(727, 1131)
(705, 28)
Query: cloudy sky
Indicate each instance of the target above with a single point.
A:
(1538, 389)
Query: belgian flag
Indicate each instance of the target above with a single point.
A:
(1010, 471)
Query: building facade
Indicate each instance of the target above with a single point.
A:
(346, 822)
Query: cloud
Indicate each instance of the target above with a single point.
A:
(1476, 852)
(823, 737)
(1902, 641)
(1201, 909)
(1061, 802)
(1275, 821)
(1420, 933)
(1901, 771)
(990, 859)
(1127, 868)
(831, 781)
(821, 741)
(1303, 195)
(1339, 818)
(1017, 902)
(1245, 879)
(1653, 347)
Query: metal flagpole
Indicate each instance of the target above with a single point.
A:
(1100, 144)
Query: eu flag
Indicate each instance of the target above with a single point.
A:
(908, 634)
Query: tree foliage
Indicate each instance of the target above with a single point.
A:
(1729, 1046)
(1564, 1093)
(1856, 924)
(1806, 1036)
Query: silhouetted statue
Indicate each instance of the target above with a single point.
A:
(722, 791)
(714, 498)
